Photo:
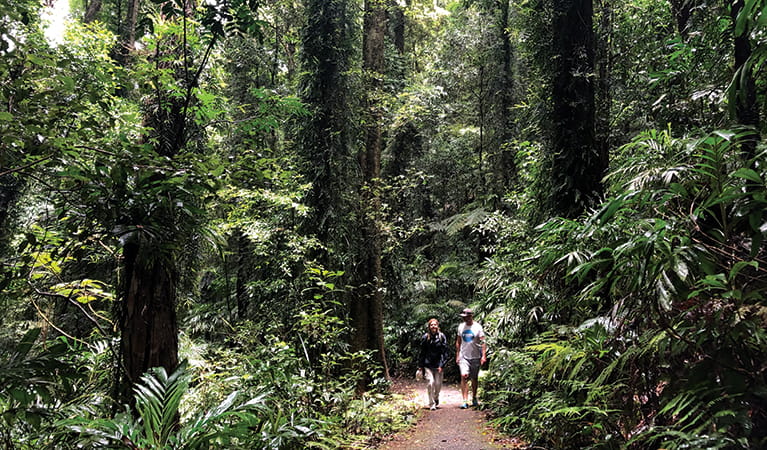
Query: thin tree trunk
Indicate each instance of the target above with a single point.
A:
(397, 20)
(603, 94)
(241, 292)
(746, 108)
(504, 167)
(127, 32)
(682, 10)
(10, 188)
(92, 10)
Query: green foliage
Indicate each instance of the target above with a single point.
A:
(33, 382)
(639, 325)
(308, 396)
(155, 423)
(657, 322)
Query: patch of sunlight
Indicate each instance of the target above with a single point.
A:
(54, 20)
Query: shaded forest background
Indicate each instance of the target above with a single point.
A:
(226, 223)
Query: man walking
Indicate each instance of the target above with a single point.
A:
(471, 353)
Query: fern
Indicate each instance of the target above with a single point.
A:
(156, 423)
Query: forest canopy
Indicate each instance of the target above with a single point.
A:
(227, 223)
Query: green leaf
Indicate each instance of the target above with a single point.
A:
(25, 345)
(748, 174)
(740, 265)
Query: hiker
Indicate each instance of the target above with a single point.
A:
(432, 360)
(470, 354)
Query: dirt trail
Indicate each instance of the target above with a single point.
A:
(449, 427)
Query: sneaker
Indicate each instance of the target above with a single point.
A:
(464, 405)
(433, 407)
(474, 403)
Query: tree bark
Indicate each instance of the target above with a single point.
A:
(397, 20)
(127, 32)
(92, 10)
(241, 290)
(367, 304)
(577, 168)
(10, 188)
(326, 135)
(603, 94)
(682, 10)
(504, 170)
(148, 320)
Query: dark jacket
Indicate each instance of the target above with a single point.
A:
(434, 351)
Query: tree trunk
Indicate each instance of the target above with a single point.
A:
(148, 320)
(603, 94)
(504, 169)
(92, 10)
(148, 326)
(243, 271)
(746, 108)
(326, 135)
(10, 188)
(127, 32)
(397, 20)
(577, 168)
(367, 304)
(682, 10)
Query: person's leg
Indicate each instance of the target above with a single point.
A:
(465, 390)
(437, 386)
(464, 366)
(474, 376)
(429, 375)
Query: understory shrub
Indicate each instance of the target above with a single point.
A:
(654, 315)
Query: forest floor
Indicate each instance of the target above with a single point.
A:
(449, 427)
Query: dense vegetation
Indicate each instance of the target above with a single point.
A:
(227, 223)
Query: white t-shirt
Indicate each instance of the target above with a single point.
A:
(471, 340)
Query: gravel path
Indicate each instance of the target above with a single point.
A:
(449, 427)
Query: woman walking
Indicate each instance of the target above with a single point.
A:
(432, 360)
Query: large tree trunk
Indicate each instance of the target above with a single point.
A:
(577, 168)
(326, 136)
(150, 261)
(367, 302)
(148, 320)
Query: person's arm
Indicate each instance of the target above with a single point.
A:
(483, 346)
(422, 354)
(443, 352)
(458, 349)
